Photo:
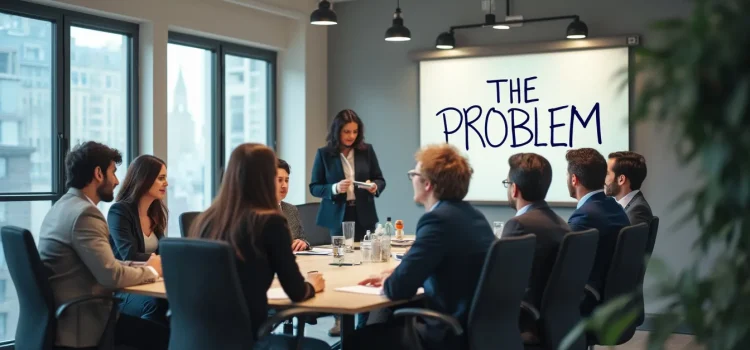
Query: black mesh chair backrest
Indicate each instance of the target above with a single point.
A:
(624, 275)
(560, 310)
(493, 318)
(186, 219)
(315, 234)
(653, 228)
(36, 322)
(205, 296)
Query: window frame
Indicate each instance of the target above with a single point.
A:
(61, 21)
(220, 117)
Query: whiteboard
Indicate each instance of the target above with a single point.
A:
(546, 103)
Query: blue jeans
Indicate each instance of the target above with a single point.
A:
(144, 307)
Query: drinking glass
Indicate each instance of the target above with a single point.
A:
(348, 228)
(339, 249)
(497, 228)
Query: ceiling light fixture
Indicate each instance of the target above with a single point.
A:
(398, 32)
(323, 16)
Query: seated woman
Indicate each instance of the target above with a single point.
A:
(137, 222)
(299, 242)
(246, 215)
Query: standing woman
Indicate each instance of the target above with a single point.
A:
(346, 158)
(137, 221)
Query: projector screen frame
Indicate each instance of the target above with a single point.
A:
(629, 41)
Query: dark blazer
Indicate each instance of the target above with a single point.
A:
(125, 233)
(328, 170)
(291, 213)
(446, 259)
(606, 215)
(638, 210)
(549, 229)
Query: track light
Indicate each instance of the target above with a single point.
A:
(398, 32)
(323, 16)
(577, 29)
(445, 41)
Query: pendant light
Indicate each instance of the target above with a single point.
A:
(323, 16)
(445, 41)
(398, 32)
(577, 29)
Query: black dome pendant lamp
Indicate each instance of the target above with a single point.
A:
(398, 32)
(323, 16)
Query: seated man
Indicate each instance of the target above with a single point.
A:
(452, 241)
(586, 172)
(290, 210)
(625, 174)
(74, 246)
(528, 181)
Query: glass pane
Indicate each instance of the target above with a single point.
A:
(99, 92)
(26, 63)
(246, 104)
(28, 215)
(189, 79)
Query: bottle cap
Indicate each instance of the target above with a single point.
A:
(389, 219)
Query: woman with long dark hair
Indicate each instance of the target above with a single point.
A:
(137, 221)
(246, 215)
(346, 158)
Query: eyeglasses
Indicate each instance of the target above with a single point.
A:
(412, 173)
(506, 183)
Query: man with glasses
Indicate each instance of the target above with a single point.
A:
(528, 181)
(452, 241)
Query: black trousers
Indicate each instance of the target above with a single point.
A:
(350, 214)
(145, 307)
(137, 333)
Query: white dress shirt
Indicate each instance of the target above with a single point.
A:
(624, 201)
(347, 163)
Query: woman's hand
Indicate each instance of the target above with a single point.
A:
(298, 245)
(374, 187)
(343, 186)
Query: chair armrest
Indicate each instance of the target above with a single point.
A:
(82, 299)
(590, 290)
(448, 320)
(273, 321)
(531, 310)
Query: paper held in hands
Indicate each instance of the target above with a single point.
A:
(276, 293)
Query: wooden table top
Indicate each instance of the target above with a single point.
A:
(328, 301)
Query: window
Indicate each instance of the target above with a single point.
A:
(43, 111)
(248, 104)
(189, 119)
(208, 114)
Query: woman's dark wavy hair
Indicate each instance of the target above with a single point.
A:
(140, 177)
(334, 132)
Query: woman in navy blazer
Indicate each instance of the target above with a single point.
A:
(344, 159)
(137, 221)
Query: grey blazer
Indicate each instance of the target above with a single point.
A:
(74, 246)
(638, 210)
(295, 224)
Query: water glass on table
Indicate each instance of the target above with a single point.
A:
(338, 244)
(497, 228)
(347, 227)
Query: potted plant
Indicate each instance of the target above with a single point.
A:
(696, 83)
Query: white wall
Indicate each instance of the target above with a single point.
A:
(279, 25)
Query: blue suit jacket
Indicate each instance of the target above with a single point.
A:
(606, 215)
(327, 170)
(446, 259)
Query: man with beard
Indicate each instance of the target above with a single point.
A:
(625, 174)
(74, 247)
(586, 172)
(528, 181)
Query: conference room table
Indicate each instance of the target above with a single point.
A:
(346, 304)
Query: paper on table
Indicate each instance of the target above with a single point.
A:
(367, 290)
(315, 251)
(276, 293)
